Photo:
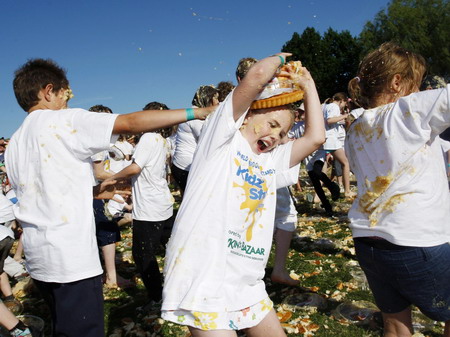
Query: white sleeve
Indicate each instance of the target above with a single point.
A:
(285, 175)
(332, 110)
(143, 150)
(431, 106)
(94, 132)
(219, 128)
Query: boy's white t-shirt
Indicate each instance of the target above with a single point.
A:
(395, 153)
(186, 140)
(49, 165)
(152, 200)
(222, 235)
(334, 133)
(6, 209)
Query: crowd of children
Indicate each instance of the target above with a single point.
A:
(72, 171)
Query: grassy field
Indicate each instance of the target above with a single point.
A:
(321, 256)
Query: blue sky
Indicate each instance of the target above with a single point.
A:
(124, 54)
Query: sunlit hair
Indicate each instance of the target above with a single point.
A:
(224, 88)
(244, 65)
(100, 108)
(165, 132)
(377, 70)
(34, 76)
(204, 96)
(340, 96)
(291, 107)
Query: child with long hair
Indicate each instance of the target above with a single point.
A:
(400, 218)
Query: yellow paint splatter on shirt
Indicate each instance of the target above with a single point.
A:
(254, 205)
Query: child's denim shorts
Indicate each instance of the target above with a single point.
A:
(400, 276)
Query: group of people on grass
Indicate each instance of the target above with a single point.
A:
(235, 190)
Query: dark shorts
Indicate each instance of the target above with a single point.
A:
(5, 247)
(400, 276)
(76, 307)
(107, 231)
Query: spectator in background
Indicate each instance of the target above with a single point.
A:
(188, 134)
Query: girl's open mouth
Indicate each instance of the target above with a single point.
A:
(262, 145)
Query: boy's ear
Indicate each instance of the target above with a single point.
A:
(47, 92)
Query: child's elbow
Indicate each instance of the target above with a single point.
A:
(318, 140)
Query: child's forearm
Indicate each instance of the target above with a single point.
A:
(151, 120)
(314, 122)
(254, 81)
(333, 120)
(128, 172)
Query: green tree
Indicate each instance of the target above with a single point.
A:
(331, 59)
(422, 26)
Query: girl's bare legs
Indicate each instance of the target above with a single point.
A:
(398, 324)
(342, 158)
(7, 319)
(5, 286)
(19, 251)
(269, 326)
(212, 333)
(112, 279)
(282, 243)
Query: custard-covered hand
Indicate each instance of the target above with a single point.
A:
(303, 79)
(295, 75)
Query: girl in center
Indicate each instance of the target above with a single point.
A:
(223, 232)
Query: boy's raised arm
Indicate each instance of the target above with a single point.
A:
(254, 81)
(151, 120)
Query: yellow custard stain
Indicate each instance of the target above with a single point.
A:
(254, 189)
(375, 189)
(257, 128)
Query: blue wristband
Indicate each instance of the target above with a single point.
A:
(190, 114)
(282, 60)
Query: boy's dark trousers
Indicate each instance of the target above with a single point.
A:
(76, 307)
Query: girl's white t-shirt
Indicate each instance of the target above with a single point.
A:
(395, 152)
(186, 140)
(152, 200)
(334, 133)
(222, 235)
(49, 165)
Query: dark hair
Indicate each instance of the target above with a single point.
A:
(244, 65)
(224, 87)
(165, 132)
(155, 106)
(100, 108)
(377, 70)
(204, 96)
(34, 76)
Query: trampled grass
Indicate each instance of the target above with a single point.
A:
(321, 256)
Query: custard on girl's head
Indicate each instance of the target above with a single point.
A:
(378, 70)
(265, 129)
